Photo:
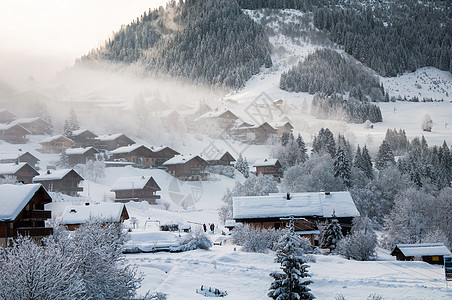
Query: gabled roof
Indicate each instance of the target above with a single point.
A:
(133, 183)
(267, 162)
(300, 204)
(111, 137)
(217, 155)
(54, 138)
(78, 132)
(182, 159)
(13, 199)
(12, 168)
(55, 175)
(217, 113)
(422, 249)
(128, 149)
(162, 148)
(15, 155)
(110, 212)
(28, 121)
(80, 151)
(281, 124)
(4, 127)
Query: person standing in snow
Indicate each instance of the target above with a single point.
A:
(212, 227)
(204, 227)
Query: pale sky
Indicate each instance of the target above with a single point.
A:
(41, 37)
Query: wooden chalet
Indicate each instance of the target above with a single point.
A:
(430, 253)
(189, 167)
(23, 172)
(81, 155)
(216, 121)
(65, 181)
(22, 212)
(140, 155)
(137, 188)
(162, 154)
(113, 141)
(55, 144)
(189, 115)
(84, 138)
(75, 216)
(13, 134)
(6, 116)
(170, 119)
(34, 125)
(254, 134)
(219, 158)
(269, 166)
(272, 211)
(13, 157)
(282, 127)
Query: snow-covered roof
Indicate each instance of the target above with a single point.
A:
(300, 204)
(110, 212)
(131, 183)
(11, 168)
(280, 124)
(423, 249)
(53, 138)
(230, 223)
(26, 120)
(80, 131)
(267, 162)
(128, 149)
(214, 113)
(13, 199)
(14, 155)
(180, 159)
(53, 175)
(109, 137)
(9, 126)
(78, 151)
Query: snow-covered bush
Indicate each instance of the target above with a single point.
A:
(31, 271)
(227, 171)
(255, 240)
(195, 240)
(360, 244)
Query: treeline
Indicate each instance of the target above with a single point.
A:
(339, 108)
(303, 5)
(208, 42)
(327, 71)
(391, 37)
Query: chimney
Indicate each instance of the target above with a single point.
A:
(288, 196)
(48, 172)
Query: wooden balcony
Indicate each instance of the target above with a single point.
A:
(38, 214)
(34, 231)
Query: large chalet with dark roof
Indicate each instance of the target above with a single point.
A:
(84, 138)
(162, 154)
(81, 155)
(22, 212)
(189, 167)
(65, 181)
(137, 188)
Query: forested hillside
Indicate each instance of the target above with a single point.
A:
(211, 42)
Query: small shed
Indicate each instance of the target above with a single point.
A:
(430, 253)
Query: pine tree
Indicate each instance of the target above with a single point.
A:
(341, 167)
(331, 234)
(290, 284)
(385, 157)
(64, 159)
(303, 149)
(324, 142)
(367, 163)
(242, 166)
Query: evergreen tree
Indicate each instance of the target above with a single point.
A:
(341, 167)
(285, 137)
(64, 159)
(367, 163)
(303, 149)
(242, 166)
(385, 157)
(324, 142)
(71, 124)
(331, 234)
(291, 284)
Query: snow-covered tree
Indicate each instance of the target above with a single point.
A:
(8, 179)
(324, 143)
(64, 159)
(360, 244)
(385, 157)
(330, 235)
(242, 166)
(195, 240)
(32, 271)
(292, 283)
(71, 124)
(341, 167)
(427, 123)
